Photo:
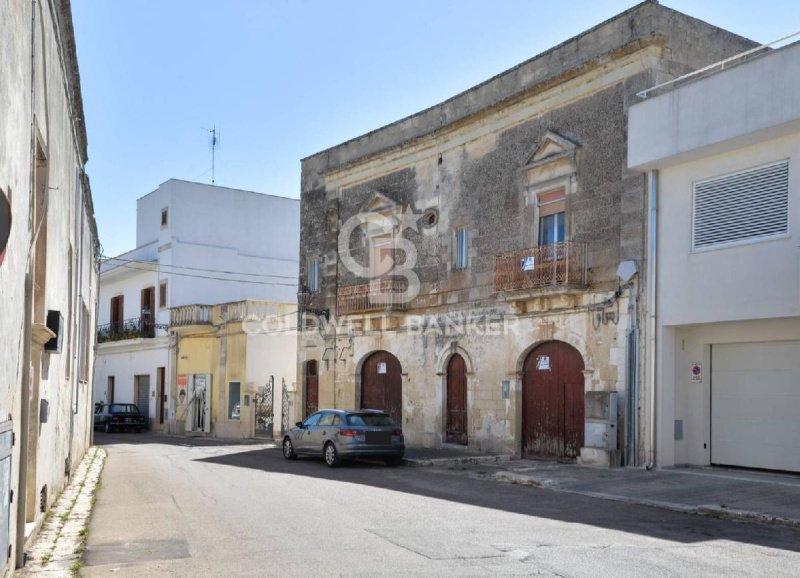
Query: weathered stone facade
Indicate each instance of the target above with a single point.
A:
(485, 161)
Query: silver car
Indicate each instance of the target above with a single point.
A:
(336, 435)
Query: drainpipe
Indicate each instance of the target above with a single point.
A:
(22, 483)
(652, 234)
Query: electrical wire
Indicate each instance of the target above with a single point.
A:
(211, 278)
(109, 259)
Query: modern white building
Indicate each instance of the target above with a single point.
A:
(195, 244)
(723, 154)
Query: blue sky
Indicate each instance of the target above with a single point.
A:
(284, 79)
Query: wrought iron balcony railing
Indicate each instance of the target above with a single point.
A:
(190, 315)
(135, 328)
(377, 295)
(559, 264)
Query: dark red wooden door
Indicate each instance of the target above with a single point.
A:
(552, 401)
(382, 384)
(456, 429)
(312, 388)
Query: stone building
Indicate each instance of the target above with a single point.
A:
(480, 262)
(48, 275)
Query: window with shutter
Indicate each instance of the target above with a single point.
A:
(742, 207)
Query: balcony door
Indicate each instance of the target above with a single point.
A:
(117, 313)
(148, 311)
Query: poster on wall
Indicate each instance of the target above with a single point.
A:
(183, 381)
(696, 372)
(382, 367)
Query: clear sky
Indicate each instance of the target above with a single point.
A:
(283, 79)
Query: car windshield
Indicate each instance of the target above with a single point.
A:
(123, 408)
(369, 419)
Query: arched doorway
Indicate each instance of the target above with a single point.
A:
(312, 388)
(456, 414)
(552, 401)
(382, 384)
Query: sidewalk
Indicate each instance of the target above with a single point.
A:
(729, 493)
(58, 548)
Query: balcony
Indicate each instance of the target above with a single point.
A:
(190, 315)
(378, 295)
(136, 328)
(543, 267)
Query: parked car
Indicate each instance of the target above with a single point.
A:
(336, 435)
(117, 416)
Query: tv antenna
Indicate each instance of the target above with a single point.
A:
(214, 142)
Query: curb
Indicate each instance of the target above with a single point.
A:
(456, 461)
(707, 510)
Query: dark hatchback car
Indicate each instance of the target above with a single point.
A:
(118, 416)
(337, 435)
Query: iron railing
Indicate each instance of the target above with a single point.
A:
(128, 329)
(558, 264)
(377, 295)
(190, 315)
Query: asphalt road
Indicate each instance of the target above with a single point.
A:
(173, 507)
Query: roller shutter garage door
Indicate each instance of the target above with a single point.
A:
(755, 405)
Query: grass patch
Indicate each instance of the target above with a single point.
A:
(46, 558)
(76, 568)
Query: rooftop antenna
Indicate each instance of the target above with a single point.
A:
(214, 142)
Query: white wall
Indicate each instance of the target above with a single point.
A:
(750, 281)
(124, 360)
(730, 109)
(69, 231)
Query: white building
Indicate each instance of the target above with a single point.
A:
(723, 151)
(48, 278)
(195, 244)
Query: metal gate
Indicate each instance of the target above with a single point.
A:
(284, 406)
(264, 409)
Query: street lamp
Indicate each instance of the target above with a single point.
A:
(303, 300)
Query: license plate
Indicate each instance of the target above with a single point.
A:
(127, 420)
(379, 437)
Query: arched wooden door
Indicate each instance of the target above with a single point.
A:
(382, 384)
(456, 428)
(312, 388)
(552, 401)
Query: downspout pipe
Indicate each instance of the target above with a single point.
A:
(652, 325)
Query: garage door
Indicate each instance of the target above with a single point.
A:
(755, 405)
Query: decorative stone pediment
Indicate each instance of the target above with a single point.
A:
(552, 147)
(554, 158)
(380, 203)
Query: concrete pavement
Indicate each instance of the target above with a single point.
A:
(173, 507)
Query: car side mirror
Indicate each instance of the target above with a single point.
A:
(300, 425)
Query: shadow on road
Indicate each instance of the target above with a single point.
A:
(457, 485)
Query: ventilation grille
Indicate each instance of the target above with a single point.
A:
(748, 205)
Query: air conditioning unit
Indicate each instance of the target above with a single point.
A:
(601, 420)
(55, 323)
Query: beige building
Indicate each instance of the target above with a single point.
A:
(723, 154)
(234, 369)
(481, 261)
(48, 276)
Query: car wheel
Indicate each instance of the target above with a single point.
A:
(288, 450)
(331, 456)
(393, 462)
(107, 428)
